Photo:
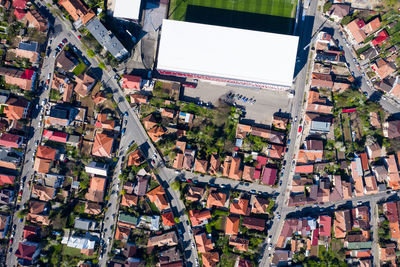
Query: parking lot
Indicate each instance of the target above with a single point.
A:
(267, 102)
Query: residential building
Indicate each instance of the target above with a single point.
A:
(4, 224)
(92, 208)
(106, 39)
(84, 84)
(85, 224)
(105, 122)
(381, 37)
(203, 243)
(391, 129)
(156, 133)
(269, 176)
(382, 68)
(103, 145)
(86, 243)
(199, 217)
(11, 140)
(6, 179)
(24, 79)
(43, 193)
(240, 244)
(28, 50)
(6, 196)
(339, 11)
(259, 205)
(96, 189)
(131, 83)
(248, 173)
(55, 136)
(280, 122)
(129, 200)
(140, 188)
(200, 166)
(77, 10)
(216, 199)
(321, 80)
(158, 197)
(194, 193)
(166, 239)
(65, 61)
(97, 168)
(9, 159)
(210, 259)
(355, 30)
(232, 225)
(16, 108)
(342, 223)
(254, 223)
(35, 20)
(27, 252)
(168, 218)
(136, 158)
(240, 206)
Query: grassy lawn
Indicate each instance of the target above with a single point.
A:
(54, 95)
(79, 69)
(281, 8)
(75, 253)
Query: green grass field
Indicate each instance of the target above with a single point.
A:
(280, 8)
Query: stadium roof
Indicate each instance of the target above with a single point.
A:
(227, 52)
(127, 9)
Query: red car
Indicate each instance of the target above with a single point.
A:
(189, 180)
(300, 128)
(79, 36)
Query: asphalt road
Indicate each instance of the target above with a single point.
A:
(35, 134)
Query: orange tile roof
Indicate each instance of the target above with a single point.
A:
(280, 123)
(216, 199)
(131, 82)
(339, 225)
(129, 200)
(240, 207)
(215, 164)
(105, 123)
(167, 113)
(99, 98)
(42, 165)
(200, 166)
(210, 259)
(149, 122)
(168, 219)
(46, 152)
(103, 145)
(122, 233)
(347, 191)
(135, 158)
(97, 183)
(242, 130)
(232, 225)
(180, 145)
(240, 244)
(156, 133)
(248, 173)
(304, 169)
(371, 186)
(203, 243)
(157, 196)
(383, 68)
(306, 156)
(259, 205)
(394, 229)
(396, 88)
(44, 193)
(92, 208)
(77, 10)
(38, 219)
(194, 193)
(358, 185)
(227, 166)
(355, 31)
(388, 254)
(372, 26)
(178, 162)
(197, 217)
(234, 171)
(138, 98)
(84, 84)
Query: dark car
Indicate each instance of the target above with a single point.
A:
(65, 40)
(126, 114)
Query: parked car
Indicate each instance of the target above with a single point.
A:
(300, 129)
(123, 131)
(79, 37)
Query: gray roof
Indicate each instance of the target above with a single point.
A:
(74, 139)
(320, 126)
(84, 224)
(107, 39)
(141, 186)
(32, 46)
(8, 155)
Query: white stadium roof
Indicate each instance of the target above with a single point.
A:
(227, 52)
(127, 9)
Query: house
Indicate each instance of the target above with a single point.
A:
(372, 26)
(158, 197)
(4, 223)
(6, 196)
(240, 244)
(320, 125)
(129, 200)
(103, 145)
(269, 176)
(232, 225)
(325, 223)
(24, 79)
(139, 98)
(19, 14)
(391, 129)
(27, 252)
(136, 158)
(84, 84)
(354, 28)
(395, 90)
(304, 168)
(141, 185)
(149, 122)
(86, 243)
(254, 223)
(9, 159)
(388, 254)
(203, 243)
(339, 11)
(103, 121)
(167, 113)
(97, 168)
(46, 152)
(382, 68)
(28, 50)
(85, 224)
(275, 151)
(259, 205)
(374, 151)
(357, 173)
(327, 56)
(380, 38)
(248, 173)
(30, 232)
(200, 166)
(270, 135)
(122, 233)
(77, 10)
(168, 218)
(186, 117)
(11, 140)
(240, 206)
(170, 257)
(96, 189)
(59, 115)
(131, 83)
(99, 97)
(280, 122)
(242, 130)
(342, 223)
(16, 108)
(216, 199)
(369, 54)
(188, 159)
(43, 193)
(371, 186)
(234, 170)
(361, 219)
(35, 20)
(318, 104)
(128, 220)
(156, 133)
(199, 217)
(210, 259)
(321, 80)
(194, 193)
(92, 208)
(178, 161)
(55, 136)
(393, 178)
(165, 239)
(281, 257)
(65, 61)
(6, 179)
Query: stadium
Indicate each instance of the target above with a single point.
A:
(227, 55)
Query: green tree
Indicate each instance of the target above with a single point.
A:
(327, 6)
(90, 53)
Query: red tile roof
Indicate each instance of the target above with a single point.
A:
(10, 140)
(46, 152)
(131, 82)
(325, 223)
(304, 169)
(55, 136)
(19, 4)
(269, 176)
(19, 13)
(382, 36)
(6, 179)
(168, 219)
(26, 250)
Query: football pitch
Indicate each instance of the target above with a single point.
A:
(278, 8)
